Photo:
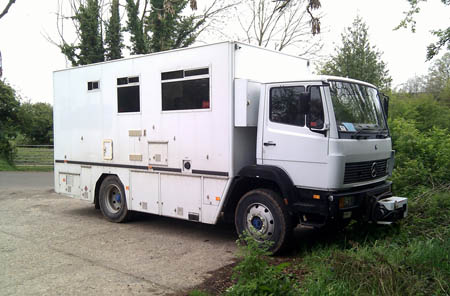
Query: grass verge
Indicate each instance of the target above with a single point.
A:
(5, 166)
(409, 258)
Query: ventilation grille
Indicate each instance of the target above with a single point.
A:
(364, 171)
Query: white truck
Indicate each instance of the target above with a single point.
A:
(224, 130)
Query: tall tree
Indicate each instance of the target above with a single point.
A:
(36, 122)
(113, 34)
(135, 26)
(167, 24)
(356, 58)
(438, 79)
(443, 35)
(7, 7)
(9, 106)
(278, 25)
(88, 26)
(169, 28)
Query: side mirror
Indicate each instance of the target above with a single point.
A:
(305, 102)
(385, 104)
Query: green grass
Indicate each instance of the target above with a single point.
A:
(30, 159)
(410, 259)
(5, 166)
(28, 156)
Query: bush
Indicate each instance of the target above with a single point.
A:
(420, 130)
(9, 105)
(421, 109)
(422, 158)
(256, 276)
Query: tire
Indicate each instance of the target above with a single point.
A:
(112, 200)
(262, 215)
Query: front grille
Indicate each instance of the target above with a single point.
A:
(364, 171)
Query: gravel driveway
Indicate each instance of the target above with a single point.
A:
(55, 245)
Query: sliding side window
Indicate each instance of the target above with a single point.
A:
(128, 94)
(185, 89)
(285, 105)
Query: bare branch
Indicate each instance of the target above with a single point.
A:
(280, 25)
(5, 10)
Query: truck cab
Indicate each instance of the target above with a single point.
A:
(325, 145)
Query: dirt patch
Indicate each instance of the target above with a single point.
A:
(216, 282)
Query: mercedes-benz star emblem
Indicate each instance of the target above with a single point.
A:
(373, 170)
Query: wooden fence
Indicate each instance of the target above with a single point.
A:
(34, 155)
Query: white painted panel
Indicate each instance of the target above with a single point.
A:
(265, 65)
(158, 153)
(181, 195)
(246, 102)
(62, 183)
(213, 191)
(86, 187)
(144, 189)
(70, 184)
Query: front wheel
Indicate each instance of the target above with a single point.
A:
(112, 200)
(261, 214)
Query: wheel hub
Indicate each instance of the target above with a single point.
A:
(260, 221)
(117, 197)
(257, 222)
(114, 199)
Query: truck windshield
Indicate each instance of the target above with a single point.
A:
(357, 110)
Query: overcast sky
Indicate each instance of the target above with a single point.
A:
(29, 59)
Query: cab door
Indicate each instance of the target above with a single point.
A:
(288, 141)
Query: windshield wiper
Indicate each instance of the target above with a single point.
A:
(379, 133)
(357, 134)
(382, 133)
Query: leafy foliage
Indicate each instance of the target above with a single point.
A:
(9, 106)
(420, 130)
(90, 49)
(256, 276)
(443, 35)
(409, 260)
(438, 79)
(170, 29)
(136, 28)
(423, 158)
(36, 123)
(357, 58)
(113, 36)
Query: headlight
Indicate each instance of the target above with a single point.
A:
(346, 202)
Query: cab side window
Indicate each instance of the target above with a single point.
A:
(315, 117)
(285, 105)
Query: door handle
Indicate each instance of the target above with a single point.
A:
(270, 143)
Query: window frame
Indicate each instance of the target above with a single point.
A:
(322, 99)
(127, 85)
(93, 89)
(270, 106)
(186, 78)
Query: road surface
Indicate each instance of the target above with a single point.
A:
(55, 245)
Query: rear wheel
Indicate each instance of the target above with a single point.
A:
(261, 214)
(112, 200)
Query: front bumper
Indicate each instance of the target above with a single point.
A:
(370, 203)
